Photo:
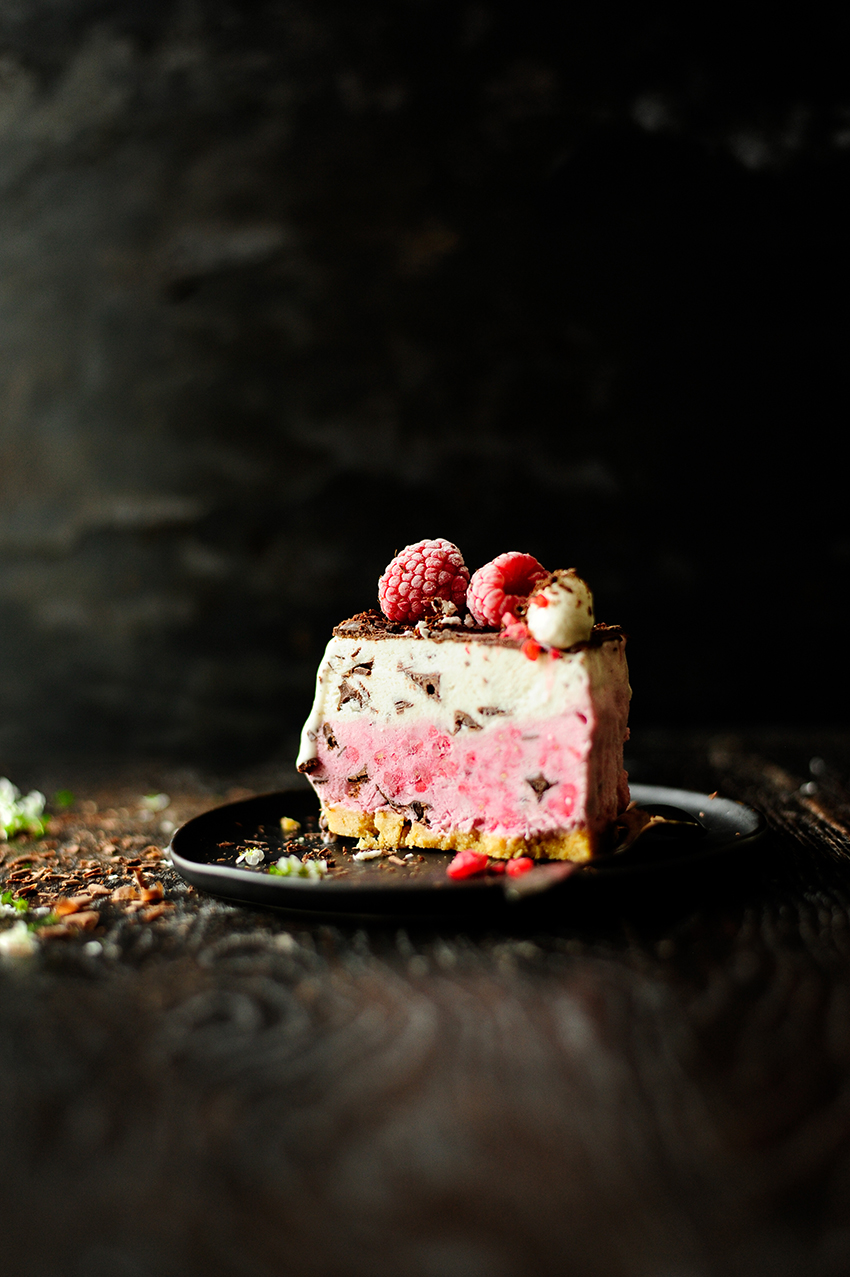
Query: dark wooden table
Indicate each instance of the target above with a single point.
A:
(660, 1089)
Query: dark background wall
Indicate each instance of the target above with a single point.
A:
(284, 286)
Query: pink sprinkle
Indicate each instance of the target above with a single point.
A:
(466, 864)
(531, 650)
(521, 865)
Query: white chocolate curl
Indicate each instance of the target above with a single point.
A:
(561, 614)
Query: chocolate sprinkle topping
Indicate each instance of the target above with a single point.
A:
(373, 625)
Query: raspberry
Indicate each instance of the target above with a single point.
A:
(466, 864)
(500, 586)
(421, 573)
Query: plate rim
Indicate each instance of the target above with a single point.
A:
(302, 894)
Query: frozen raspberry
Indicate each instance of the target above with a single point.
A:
(500, 586)
(419, 576)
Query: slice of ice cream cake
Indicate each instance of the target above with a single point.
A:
(499, 731)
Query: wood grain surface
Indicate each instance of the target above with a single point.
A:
(658, 1089)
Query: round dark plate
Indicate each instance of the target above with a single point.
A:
(708, 832)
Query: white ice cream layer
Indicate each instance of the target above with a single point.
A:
(402, 680)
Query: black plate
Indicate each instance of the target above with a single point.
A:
(708, 832)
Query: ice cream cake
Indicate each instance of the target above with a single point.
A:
(484, 715)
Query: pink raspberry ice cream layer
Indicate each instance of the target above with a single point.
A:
(508, 780)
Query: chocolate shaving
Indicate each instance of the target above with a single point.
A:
(146, 893)
(463, 719)
(330, 739)
(354, 782)
(309, 765)
(394, 805)
(73, 904)
(634, 821)
(155, 911)
(490, 710)
(401, 706)
(348, 692)
(429, 683)
(539, 784)
(85, 919)
(362, 671)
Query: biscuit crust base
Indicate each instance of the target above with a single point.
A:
(388, 830)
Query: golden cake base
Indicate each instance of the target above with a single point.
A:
(388, 830)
